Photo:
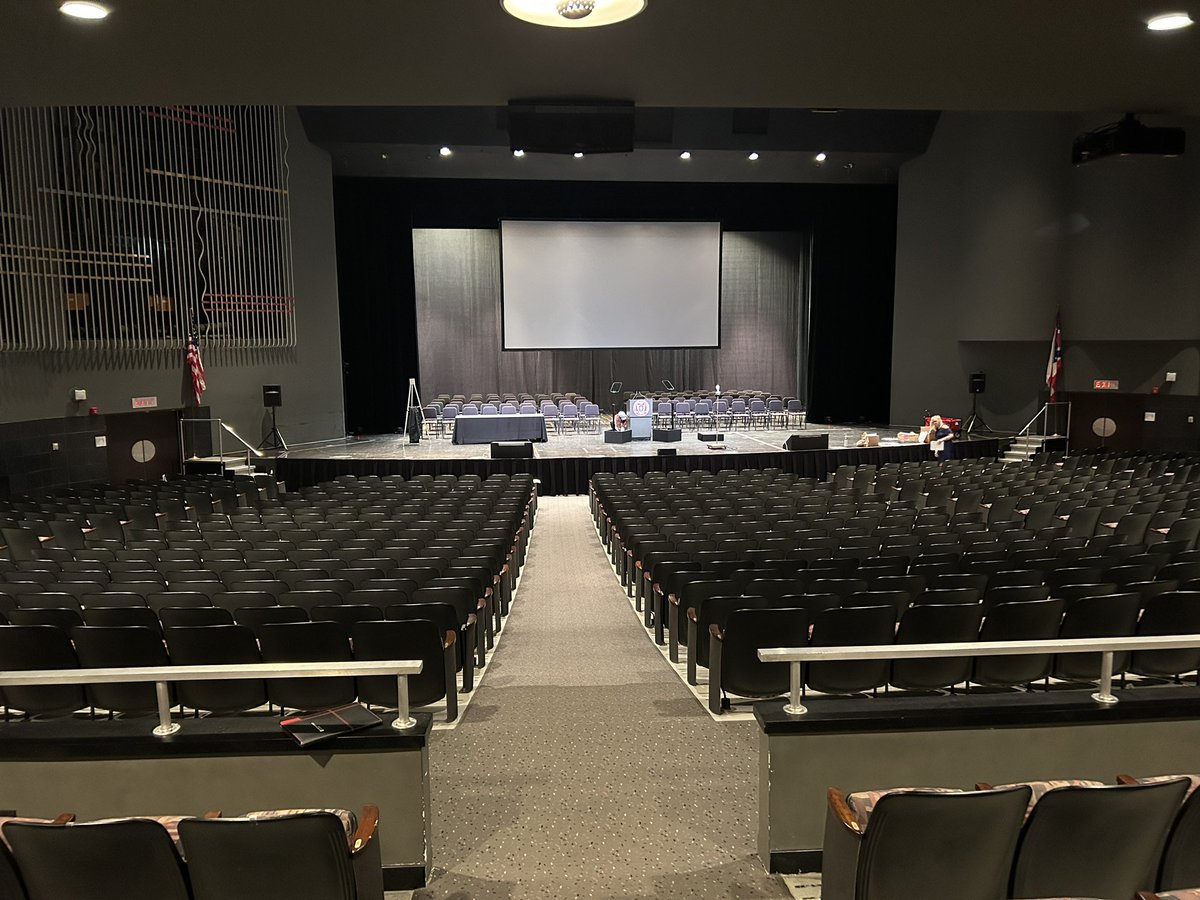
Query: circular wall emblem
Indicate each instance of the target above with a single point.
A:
(1104, 427)
(143, 451)
(639, 407)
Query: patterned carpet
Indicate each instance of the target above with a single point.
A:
(584, 768)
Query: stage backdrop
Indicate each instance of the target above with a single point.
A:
(764, 320)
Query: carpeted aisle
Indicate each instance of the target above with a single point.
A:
(583, 768)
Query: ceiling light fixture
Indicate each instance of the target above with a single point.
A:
(753, 155)
(686, 154)
(579, 154)
(518, 153)
(383, 156)
(573, 13)
(1169, 22)
(82, 9)
(821, 157)
(445, 151)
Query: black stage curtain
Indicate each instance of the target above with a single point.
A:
(763, 314)
(850, 272)
(570, 475)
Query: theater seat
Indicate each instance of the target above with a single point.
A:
(920, 842)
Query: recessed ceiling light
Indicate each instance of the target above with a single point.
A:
(1169, 22)
(445, 151)
(753, 155)
(518, 153)
(686, 154)
(573, 13)
(383, 156)
(848, 166)
(579, 154)
(82, 9)
(821, 157)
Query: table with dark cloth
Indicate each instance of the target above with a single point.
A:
(486, 429)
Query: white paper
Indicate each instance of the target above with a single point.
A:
(936, 446)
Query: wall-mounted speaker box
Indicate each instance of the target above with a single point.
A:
(978, 383)
(710, 436)
(566, 126)
(668, 451)
(618, 437)
(512, 450)
(668, 434)
(807, 442)
(272, 395)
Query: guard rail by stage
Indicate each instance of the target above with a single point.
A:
(164, 675)
(798, 656)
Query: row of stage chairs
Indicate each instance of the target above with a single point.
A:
(726, 564)
(348, 570)
(569, 416)
(1073, 838)
(731, 413)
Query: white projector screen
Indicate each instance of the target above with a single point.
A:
(606, 285)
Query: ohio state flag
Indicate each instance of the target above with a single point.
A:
(1055, 365)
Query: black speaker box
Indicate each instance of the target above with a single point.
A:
(807, 442)
(272, 395)
(565, 126)
(978, 383)
(667, 451)
(667, 434)
(710, 436)
(617, 437)
(512, 450)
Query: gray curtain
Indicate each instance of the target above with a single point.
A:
(764, 314)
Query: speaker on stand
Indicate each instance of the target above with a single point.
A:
(272, 400)
(976, 384)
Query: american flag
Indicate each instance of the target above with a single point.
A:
(196, 367)
(1055, 365)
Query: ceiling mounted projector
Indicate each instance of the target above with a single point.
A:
(1126, 138)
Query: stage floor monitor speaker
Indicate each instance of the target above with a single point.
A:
(512, 450)
(618, 437)
(667, 434)
(667, 451)
(807, 442)
(710, 436)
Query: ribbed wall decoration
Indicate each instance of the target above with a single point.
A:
(124, 227)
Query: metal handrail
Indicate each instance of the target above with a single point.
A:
(1041, 412)
(164, 675)
(798, 656)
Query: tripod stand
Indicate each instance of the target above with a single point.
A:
(274, 440)
(975, 420)
(414, 413)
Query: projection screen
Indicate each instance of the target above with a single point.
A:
(608, 285)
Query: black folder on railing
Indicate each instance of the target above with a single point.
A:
(309, 728)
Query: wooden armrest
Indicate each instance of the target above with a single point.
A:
(471, 620)
(1126, 779)
(983, 786)
(657, 588)
(840, 808)
(212, 814)
(482, 604)
(368, 819)
(715, 631)
(692, 614)
(64, 818)
(1147, 895)
(451, 637)
(673, 599)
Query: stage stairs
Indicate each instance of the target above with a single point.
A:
(1023, 447)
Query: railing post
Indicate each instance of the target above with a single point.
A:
(1105, 694)
(794, 707)
(404, 719)
(165, 726)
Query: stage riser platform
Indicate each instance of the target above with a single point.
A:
(571, 474)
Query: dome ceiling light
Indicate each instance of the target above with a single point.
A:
(573, 13)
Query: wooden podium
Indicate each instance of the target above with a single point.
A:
(641, 417)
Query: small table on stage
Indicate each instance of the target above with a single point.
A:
(486, 429)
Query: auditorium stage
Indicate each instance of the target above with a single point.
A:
(566, 462)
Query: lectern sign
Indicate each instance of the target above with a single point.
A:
(639, 407)
(1106, 384)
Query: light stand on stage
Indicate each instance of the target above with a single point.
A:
(669, 434)
(414, 414)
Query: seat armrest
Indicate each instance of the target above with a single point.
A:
(673, 599)
(368, 819)
(212, 814)
(471, 620)
(451, 637)
(64, 818)
(841, 809)
(1126, 779)
(983, 786)
(715, 631)
(692, 614)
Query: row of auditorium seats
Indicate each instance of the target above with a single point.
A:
(969, 547)
(298, 854)
(1023, 840)
(365, 568)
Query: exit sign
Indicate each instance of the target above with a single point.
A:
(145, 402)
(1106, 384)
